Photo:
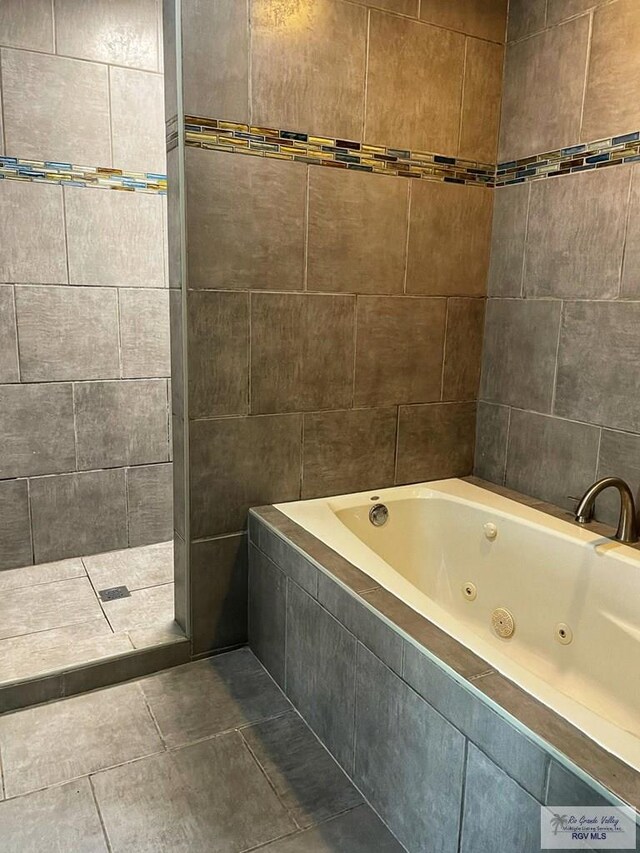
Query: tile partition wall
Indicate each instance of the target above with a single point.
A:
(559, 403)
(327, 321)
(84, 303)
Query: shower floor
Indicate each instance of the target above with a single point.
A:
(52, 616)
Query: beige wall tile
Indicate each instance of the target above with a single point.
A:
(435, 441)
(301, 351)
(122, 33)
(245, 221)
(137, 120)
(484, 18)
(440, 262)
(525, 18)
(357, 232)
(542, 96)
(218, 342)
(611, 103)
(481, 101)
(399, 350)
(414, 103)
(114, 238)
(575, 236)
(307, 66)
(402, 7)
(216, 64)
(237, 463)
(348, 451)
(32, 248)
(43, 121)
(463, 349)
(27, 25)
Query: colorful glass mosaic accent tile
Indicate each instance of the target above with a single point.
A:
(575, 158)
(269, 142)
(52, 172)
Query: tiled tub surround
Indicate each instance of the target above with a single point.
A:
(426, 730)
(561, 351)
(58, 635)
(84, 302)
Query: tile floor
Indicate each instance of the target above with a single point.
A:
(51, 615)
(209, 756)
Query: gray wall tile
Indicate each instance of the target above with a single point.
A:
(463, 349)
(367, 626)
(599, 345)
(121, 423)
(510, 208)
(619, 457)
(586, 212)
(519, 358)
(229, 200)
(348, 451)
(286, 89)
(41, 120)
(78, 514)
(218, 342)
(566, 789)
(218, 581)
(522, 759)
(222, 489)
(267, 613)
(492, 430)
(357, 232)
(288, 559)
(551, 458)
(27, 25)
(114, 238)
(150, 504)
(15, 531)
(216, 64)
(630, 285)
(144, 333)
(179, 474)
(435, 441)
(9, 369)
(137, 120)
(414, 103)
(67, 333)
(321, 651)
(525, 18)
(81, 28)
(549, 67)
(439, 263)
(34, 209)
(410, 333)
(516, 823)
(409, 759)
(36, 425)
(560, 10)
(302, 351)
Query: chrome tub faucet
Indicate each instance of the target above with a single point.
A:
(627, 531)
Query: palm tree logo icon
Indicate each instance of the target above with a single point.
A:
(558, 822)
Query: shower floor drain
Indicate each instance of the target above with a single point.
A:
(113, 593)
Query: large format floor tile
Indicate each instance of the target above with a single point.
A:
(201, 699)
(49, 605)
(209, 797)
(44, 573)
(142, 609)
(134, 568)
(63, 818)
(54, 743)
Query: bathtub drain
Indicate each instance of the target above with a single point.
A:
(503, 622)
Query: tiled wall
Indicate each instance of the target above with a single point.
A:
(562, 350)
(84, 307)
(333, 318)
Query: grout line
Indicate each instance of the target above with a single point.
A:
(110, 115)
(2, 788)
(397, 446)
(462, 92)
(355, 350)
(444, 348)
(271, 784)
(75, 426)
(523, 269)
(465, 755)
(249, 62)
(153, 717)
(555, 369)
(54, 38)
(586, 71)
(506, 448)
(3, 126)
(366, 74)
(249, 350)
(406, 245)
(119, 327)
(627, 222)
(305, 225)
(598, 453)
(15, 326)
(97, 805)
(65, 233)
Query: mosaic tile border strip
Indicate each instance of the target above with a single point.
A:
(66, 174)
(220, 135)
(575, 158)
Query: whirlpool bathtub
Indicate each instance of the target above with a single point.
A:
(552, 606)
